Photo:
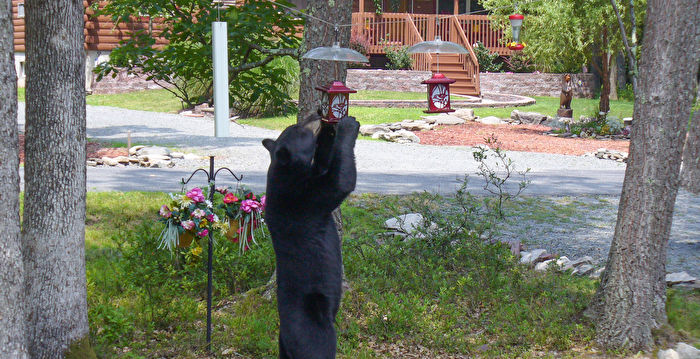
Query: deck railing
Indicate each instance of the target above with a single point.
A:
(389, 29)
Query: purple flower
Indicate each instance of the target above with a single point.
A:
(165, 212)
(195, 194)
(249, 205)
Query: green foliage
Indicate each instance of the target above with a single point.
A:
(399, 58)
(487, 59)
(683, 308)
(519, 62)
(562, 35)
(257, 34)
(626, 93)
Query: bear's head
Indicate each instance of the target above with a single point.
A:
(293, 150)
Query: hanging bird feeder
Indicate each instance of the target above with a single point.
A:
(439, 84)
(516, 23)
(335, 97)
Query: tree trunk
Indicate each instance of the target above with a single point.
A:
(630, 301)
(314, 72)
(690, 174)
(612, 78)
(604, 104)
(53, 234)
(12, 322)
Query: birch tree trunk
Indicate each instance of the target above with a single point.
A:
(690, 174)
(12, 322)
(631, 299)
(53, 234)
(316, 33)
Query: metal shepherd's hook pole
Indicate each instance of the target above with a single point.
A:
(210, 253)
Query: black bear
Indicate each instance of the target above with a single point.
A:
(309, 176)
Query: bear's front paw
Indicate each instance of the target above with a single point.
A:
(348, 126)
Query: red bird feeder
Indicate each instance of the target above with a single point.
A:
(438, 93)
(335, 100)
(516, 23)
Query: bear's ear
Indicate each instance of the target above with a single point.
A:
(269, 144)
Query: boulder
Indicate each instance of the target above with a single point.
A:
(401, 136)
(597, 273)
(379, 135)
(686, 351)
(575, 263)
(415, 125)
(122, 159)
(135, 149)
(443, 119)
(532, 256)
(491, 120)
(153, 158)
(91, 163)
(668, 354)
(582, 270)
(154, 151)
(192, 156)
(466, 114)
(369, 130)
(542, 266)
(406, 223)
(177, 155)
(528, 118)
(109, 161)
(679, 277)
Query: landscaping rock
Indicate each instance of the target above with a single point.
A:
(582, 270)
(406, 223)
(178, 155)
(415, 125)
(192, 157)
(109, 161)
(554, 123)
(679, 277)
(577, 262)
(466, 114)
(542, 266)
(668, 354)
(401, 136)
(369, 130)
(597, 273)
(154, 151)
(533, 256)
(686, 351)
(91, 163)
(134, 149)
(443, 119)
(528, 118)
(491, 120)
(122, 159)
(153, 158)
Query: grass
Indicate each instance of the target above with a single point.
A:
(146, 100)
(408, 297)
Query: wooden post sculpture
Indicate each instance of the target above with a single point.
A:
(567, 91)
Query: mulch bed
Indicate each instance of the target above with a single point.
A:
(93, 149)
(527, 138)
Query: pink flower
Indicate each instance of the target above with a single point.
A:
(230, 198)
(165, 212)
(187, 225)
(195, 194)
(263, 202)
(249, 205)
(198, 213)
(222, 190)
(203, 233)
(210, 218)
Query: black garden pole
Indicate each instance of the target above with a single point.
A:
(211, 180)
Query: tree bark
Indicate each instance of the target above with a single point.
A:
(630, 301)
(53, 234)
(690, 173)
(316, 33)
(12, 323)
(604, 104)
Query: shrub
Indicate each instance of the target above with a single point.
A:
(519, 63)
(487, 59)
(399, 58)
(626, 93)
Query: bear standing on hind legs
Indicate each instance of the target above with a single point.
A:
(309, 176)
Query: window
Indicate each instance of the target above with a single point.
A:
(20, 10)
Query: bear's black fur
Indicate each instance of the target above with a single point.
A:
(309, 176)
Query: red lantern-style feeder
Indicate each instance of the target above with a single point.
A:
(438, 93)
(335, 99)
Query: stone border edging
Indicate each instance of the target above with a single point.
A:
(513, 101)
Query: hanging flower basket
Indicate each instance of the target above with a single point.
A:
(185, 239)
(244, 211)
(187, 217)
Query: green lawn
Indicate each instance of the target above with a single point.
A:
(473, 299)
(163, 101)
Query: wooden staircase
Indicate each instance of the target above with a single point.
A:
(452, 66)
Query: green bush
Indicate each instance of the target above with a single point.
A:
(488, 61)
(399, 58)
(626, 93)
